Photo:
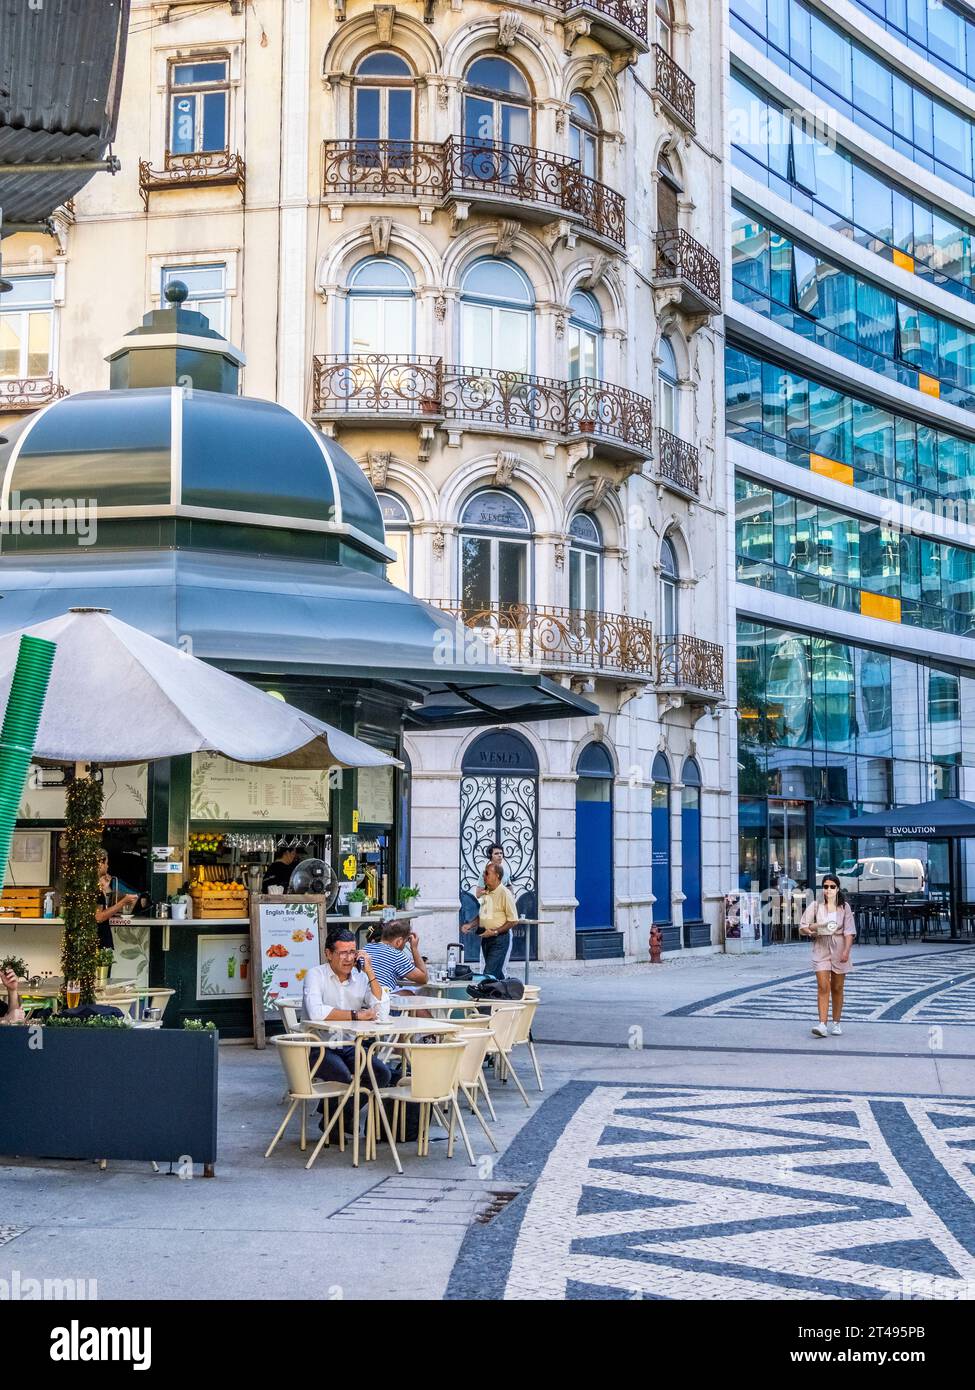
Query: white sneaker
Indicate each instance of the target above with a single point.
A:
(836, 1030)
(819, 1030)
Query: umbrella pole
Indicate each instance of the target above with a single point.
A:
(17, 737)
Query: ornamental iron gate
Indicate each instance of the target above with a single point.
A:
(499, 805)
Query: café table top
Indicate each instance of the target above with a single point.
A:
(374, 1028)
(408, 1003)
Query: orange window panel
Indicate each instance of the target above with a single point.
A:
(829, 468)
(930, 385)
(880, 606)
(902, 259)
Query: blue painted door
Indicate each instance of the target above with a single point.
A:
(594, 862)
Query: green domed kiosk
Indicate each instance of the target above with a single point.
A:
(229, 526)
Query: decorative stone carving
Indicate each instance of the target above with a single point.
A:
(561, 322)
(505, 239)
(381, 229)
(438, 541)
(378, 461)
(560, 119)
(600, 70)
(440, 307)
(459, 214)
(505, 464)
(384, 17)
(600, 487)
(600, 265)
(443, 96)
(575, 454)
(560, 555)
(575, 30)
(509, 27)
(424, 446)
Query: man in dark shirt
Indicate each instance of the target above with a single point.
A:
(279, 873)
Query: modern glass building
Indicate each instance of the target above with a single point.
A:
(850, 419)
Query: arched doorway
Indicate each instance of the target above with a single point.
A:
(594, 840)
(499, 805)
(660, 841)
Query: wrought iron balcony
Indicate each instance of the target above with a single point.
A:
(615, 24)
(690, 664)
(688, 267)
(214, 168)
(674, 88)
(678, 462)
(527, 634)
(30, 392)
(379, 385)
(538, 183)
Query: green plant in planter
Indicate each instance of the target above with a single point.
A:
(196, 1025)
(15, 963)
(407, 893)
(79, 902)
(96, 1021)
(105, 958)
(356, 896)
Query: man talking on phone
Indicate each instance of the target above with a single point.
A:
(345, 988)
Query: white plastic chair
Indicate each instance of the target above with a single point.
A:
(432, 1082)
(523, 1035)
(471, 1079)
(504, 1026)
(295, 1050)
(289, 1009)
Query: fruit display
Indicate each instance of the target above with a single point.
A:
(205, 842)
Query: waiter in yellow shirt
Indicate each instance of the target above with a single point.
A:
(494, 921)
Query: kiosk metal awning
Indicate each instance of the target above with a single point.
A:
(263, 616)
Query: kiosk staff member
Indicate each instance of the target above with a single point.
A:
(279, 873)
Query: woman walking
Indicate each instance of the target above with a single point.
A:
(829, 921)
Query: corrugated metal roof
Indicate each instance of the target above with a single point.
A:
(60, 87)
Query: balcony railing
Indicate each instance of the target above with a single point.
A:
(382, 385)
(689, 663)
(623, 19)
(678, 462)
(526, 634)
(673, 86)
(475, 169)
(29, 392)
(214, 168)
(682, 260)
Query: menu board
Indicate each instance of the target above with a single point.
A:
(224, 790)
(286, 942)
(374, 795)
(125, 790)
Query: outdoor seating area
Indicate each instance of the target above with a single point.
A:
(440, 1067)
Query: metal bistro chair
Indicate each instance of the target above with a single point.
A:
(295, 1050)
(432, 1083)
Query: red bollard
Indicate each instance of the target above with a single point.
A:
(656, 944)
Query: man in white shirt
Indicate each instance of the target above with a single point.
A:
(344, 988)
(495, 857)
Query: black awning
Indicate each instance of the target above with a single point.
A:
(60, 84)
(948, 819)
(512, 699)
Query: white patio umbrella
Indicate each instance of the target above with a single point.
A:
(119, 696)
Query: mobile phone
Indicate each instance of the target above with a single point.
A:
(358, 962)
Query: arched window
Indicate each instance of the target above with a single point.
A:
(497, 104)
(495, 552)
(669, 414)
(660, 839)
(382, 102)
(399, 537)
(690, 838)
(585, 336)
(665, 26)
(668, 194)
(584, 133)
(380, 308)
(496, 317)
(585, 564)
(669, 589)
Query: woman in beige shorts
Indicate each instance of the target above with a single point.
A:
(829, 921)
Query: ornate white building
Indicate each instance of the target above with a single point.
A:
(476, 245)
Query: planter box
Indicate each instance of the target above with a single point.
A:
(145, 1093)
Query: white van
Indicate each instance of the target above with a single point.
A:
(879, 874)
